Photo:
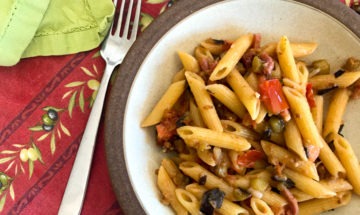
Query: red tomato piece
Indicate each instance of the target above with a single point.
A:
(249, 158)
(272, 96)
(310, 95)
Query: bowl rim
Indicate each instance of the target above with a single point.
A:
(126, 72)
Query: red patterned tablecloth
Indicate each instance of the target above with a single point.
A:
(44, 106)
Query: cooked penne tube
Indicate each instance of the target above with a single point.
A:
(227, 207)
(317, 112)
(260, 207)
(231, 58)
(298, 49)
(249, 97)
(277, 154)
(335, 184)
(193, 135)
(336, 111)
(317, 206)
(303, 74)
(293, 139)
(286, 60)
(327, 81)
(292, 84)
(215, 46)
(308, 185)
(167, 188)
(197, 172)
(179, 76)
(347, 79)
(320, 82)
(173, 171)
(206, 156)
(203, 101)
(330, 161)
(189, 62)
(239, 129)
(227, 97)
(166, 102)
(349, 160)
(195, 114)
(274, 199)
(301, 113)
(188, 201)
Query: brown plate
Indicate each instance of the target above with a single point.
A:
(126, 73)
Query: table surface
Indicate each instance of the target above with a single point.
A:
(36, 160)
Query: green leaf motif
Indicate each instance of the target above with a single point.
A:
(2, 202)
(97, 54)
(52, 144)
(12, 193)
(155, 1)
(36, 128)
(31, 168)
(38, 152)
(65, 130)
(75, 84)
(67, 94)
(8, 152)
(72, 103)
(87, 72)
(145, 20)
(82, 100)
(43, 137)
(6, 159)
(47, 108)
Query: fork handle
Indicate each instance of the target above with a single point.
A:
(72, 200)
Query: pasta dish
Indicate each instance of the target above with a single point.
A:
(248, 129)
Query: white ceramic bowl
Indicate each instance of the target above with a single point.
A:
(133, 155)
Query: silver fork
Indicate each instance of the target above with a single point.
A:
(113, 51)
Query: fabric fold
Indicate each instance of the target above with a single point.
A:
(56, 27)
(18, 24)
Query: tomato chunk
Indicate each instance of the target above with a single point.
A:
(272, 96)
(249, 158)
(310, 95)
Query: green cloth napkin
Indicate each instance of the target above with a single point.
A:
(51, 27)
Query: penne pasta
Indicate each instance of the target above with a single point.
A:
(196, 172)
(167, 188)
(239, 129)
(249, 97)
(286, 60)
(193, 135)
(327, 81)
(277, 154)
(166, 102)
(336, 111)
(330, 161)
(293, 139)
(308, 185)
(227, 207)
(298, 49)
(349, 160)
(302, 116)
(317, 112)
(317, 206)
(188, 201)
(227, 97)
(203, 101)
(189, 62)
(260, 207)
(231, 58)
